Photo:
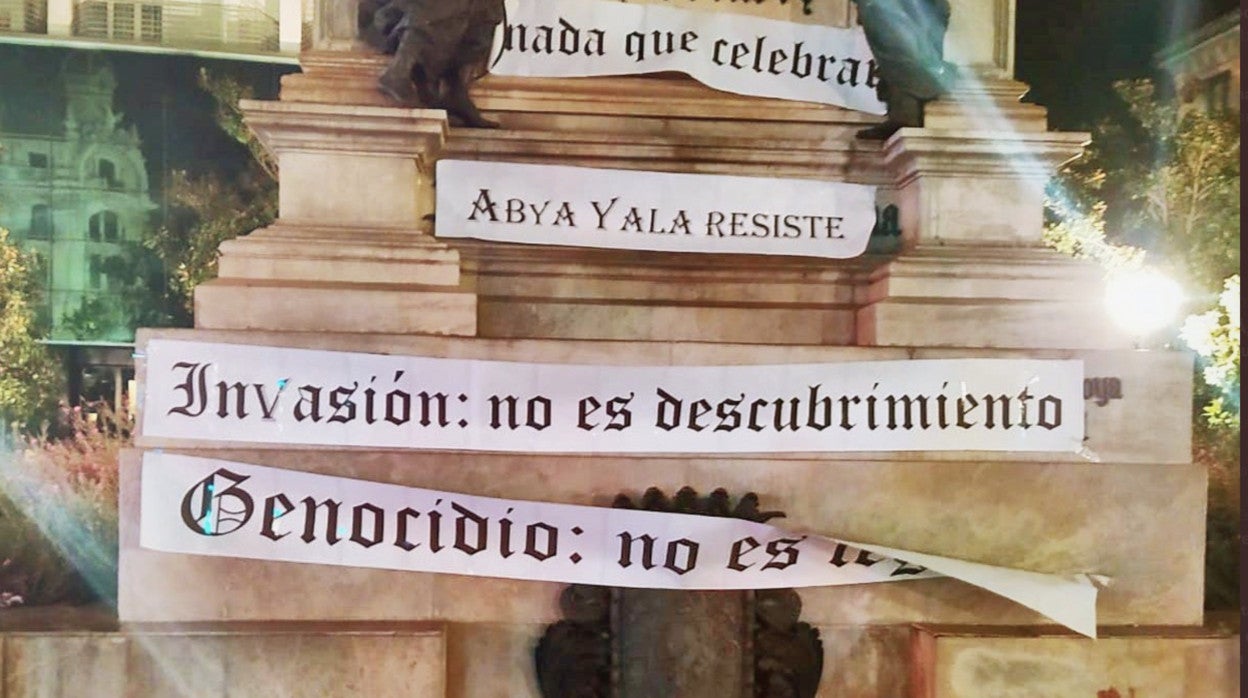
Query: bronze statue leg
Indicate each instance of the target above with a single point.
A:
(469, 55)
(458, 104)
(475, 50)
(396, 83)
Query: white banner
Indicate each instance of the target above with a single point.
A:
(211, 507)
(635, 210)
(726, 51)
(258, 394)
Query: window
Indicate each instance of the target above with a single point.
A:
(40, 222)
(150, 24)
(1217, 93)
(123, 20)
(91, 20)
(95, 272)
(37, 159)
(108, 172)
(104, 273)
(104, 227)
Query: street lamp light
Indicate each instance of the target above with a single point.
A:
(1142, 301)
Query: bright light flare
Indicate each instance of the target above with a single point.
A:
(1142, 301)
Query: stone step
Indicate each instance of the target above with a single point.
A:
(310, 306)
(292, 252)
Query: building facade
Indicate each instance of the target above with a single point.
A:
(271, 30)
(1205, 66)
(76, 196)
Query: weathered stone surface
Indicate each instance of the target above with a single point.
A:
(348, 665)
(175, 665)
(350, 165)
(350, 252)
(313, 306)
(230, 661)
(63, 666)
(864, 661)
(1160, 662)
(340, 254)
(492, 660)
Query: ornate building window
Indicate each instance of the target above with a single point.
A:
(99, 268)
(40, 222)
(107, 171)
(1216, 93)
(104, 227)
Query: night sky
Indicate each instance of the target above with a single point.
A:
(1069, 51)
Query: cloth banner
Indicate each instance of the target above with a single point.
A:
(211, 507)
(731, 52)
(635, 210)
(258, 394)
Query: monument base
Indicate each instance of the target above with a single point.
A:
(488, 660)
(1132, 662)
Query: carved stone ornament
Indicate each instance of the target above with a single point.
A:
(439, 47)
(647, 643)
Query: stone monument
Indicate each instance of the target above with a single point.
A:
(352, 264)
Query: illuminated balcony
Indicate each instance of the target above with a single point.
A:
(24, 16)
(271, 30)
(178, 24)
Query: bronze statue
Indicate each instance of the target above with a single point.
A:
(439, 47)
(907, 39)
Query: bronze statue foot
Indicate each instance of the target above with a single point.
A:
(399, 89)
(463, 112)
(476, 121)
(879, 132)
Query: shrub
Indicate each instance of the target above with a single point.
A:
(58, 511)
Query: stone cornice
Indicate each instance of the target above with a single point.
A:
(284, 127)
(912, 152)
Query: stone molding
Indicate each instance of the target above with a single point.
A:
(285, 126)
(350, 251)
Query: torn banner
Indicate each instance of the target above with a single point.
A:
(213, 507)
(724, 50)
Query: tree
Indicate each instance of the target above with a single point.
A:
(1158, 181)
(210, 207)
(31, 380)
(1162, 184)
(1215, 337)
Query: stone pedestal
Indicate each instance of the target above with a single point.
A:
(227, 660)
(351, 266)
(973, 271)
(1138, 662)
(975, 173)
(351, 250)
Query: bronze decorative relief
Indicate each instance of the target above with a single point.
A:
(630, 643)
